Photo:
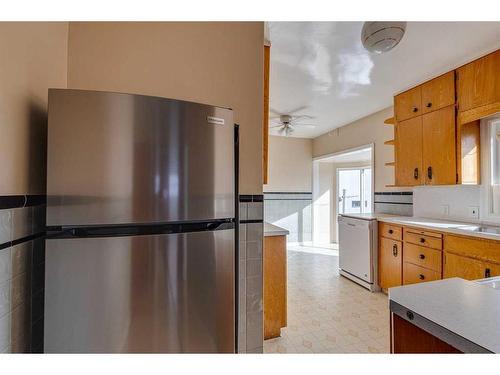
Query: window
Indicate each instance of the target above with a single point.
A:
(490, 129)
(354, 190)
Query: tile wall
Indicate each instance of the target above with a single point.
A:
(395, 203)
(292, 211)
(22, 273)
(250, 292)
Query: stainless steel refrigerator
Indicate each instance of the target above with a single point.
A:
(141, 215)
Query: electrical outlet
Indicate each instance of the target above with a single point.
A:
(445, 209)
(474, 212)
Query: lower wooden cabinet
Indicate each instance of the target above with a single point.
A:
(413, 274)
(390, 263)
(468, 268)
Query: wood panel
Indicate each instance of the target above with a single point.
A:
(408, 104)
(439, 146)
(422, 256)
(394, 232)
(413, 274)
(469, 153)
(409, 152)
(438, 92)
(460, 266)
(478, 248)
(423, 240)
(265, 127)
(408, 338)
(390, 263)
(478, 83)
(275, 288)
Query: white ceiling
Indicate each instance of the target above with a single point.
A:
(323, 69)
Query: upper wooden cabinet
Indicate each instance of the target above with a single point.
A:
(439, 147)
(479, 84)
(409, 160)
(408, 104)
(438, 92)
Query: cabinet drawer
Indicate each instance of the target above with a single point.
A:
(390, 231)
(408, 104)
(478, 248)
(422, 256)
(438, 92)
(413, 274)
(423, 238)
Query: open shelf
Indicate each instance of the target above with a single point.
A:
(390, 121)
(390, 164)
(390, 142)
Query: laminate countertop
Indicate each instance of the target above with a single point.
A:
(447, 226)
(466, 309)
(274, 230)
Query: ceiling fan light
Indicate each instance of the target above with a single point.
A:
(380, 37)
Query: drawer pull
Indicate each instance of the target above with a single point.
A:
(391, 231)
(410, 315)
(429, 105)
(414, 109)
(421, 277)
(422, 239)
(487, 272)
(395, 250)
(415, 173)
(421, 256)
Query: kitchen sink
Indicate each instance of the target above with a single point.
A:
(492, 282)
(483, 229)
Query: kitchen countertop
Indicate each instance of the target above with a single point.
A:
(274, 230)
(448, 226)
(466, 308)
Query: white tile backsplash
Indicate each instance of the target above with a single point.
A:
(428, 201)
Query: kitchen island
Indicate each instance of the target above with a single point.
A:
(445, 316)
(275, 279)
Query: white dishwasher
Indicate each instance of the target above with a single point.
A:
(358, 249)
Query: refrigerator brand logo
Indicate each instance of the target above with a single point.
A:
(215, 120)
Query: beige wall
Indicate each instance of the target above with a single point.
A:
(290, 165)
(370, 129)
(213, 63)
(34, 57)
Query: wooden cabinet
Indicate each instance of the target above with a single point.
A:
(459, 266)
(409, 152)
(390, 263)
(413, 274)
(423, 238)
(422, 256)
(439, 147)
(408, 104)
(275, 290)
(390, 231)
(478, 83)
(438, 92)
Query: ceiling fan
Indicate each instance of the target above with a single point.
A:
(287, 123)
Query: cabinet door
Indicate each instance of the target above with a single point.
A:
(464, 267)
(479, 82)
(491, 269)
(390, 263)
(439, 147)
(408, 104)
(409, 152)
(439, 92)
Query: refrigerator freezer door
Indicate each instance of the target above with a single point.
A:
(121, 158)
(146, 294)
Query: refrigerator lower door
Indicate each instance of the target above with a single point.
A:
(170, 293)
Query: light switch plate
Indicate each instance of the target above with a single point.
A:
(474, 212)
(445, 208)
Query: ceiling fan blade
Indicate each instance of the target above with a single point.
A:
(282, 130)
(276, 126)
(307, 125)
(298, 117)
(298, 109)
(274, 112)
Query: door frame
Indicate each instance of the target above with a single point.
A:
(371, 146)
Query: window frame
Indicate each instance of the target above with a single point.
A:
(486, 211)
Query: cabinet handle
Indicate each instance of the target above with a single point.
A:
(421, 277)
(487, 272)
(415, 173)
(429, 105)
(395, 250)
(421, 256)
(429, 173)
(414, 109)
(391, 231)
(422, 239)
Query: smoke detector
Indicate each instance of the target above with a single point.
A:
(380, 37)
